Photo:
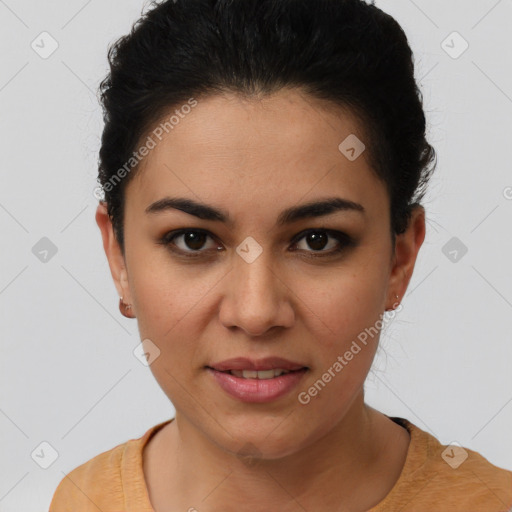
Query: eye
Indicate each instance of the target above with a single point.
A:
(189, 242)
(317, 239)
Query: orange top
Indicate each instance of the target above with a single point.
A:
(435, 477)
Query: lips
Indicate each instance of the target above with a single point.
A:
(267, 363)
(257, 390)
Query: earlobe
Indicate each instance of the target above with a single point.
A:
(112, 250)
(407, 247)
(125, 309)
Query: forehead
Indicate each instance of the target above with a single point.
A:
(228, 148)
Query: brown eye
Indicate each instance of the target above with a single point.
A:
(318, 241)
(192, 243)
(194, 240)
(188, 242)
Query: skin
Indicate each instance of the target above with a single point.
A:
(254, 158)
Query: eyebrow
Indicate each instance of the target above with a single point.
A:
(288, 216)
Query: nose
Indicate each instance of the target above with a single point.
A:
(256, 297)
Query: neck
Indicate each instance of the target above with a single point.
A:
(354, 464)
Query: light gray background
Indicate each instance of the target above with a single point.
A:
(68, 375)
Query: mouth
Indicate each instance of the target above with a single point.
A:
(259, 374)
(257, 385)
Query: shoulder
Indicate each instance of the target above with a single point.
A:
(93, 485)
(108, 481)
(458, 477)
(476, 483)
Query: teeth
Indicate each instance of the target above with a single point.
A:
(262, 374)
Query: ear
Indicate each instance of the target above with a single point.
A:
(114, 254)
(407, 246)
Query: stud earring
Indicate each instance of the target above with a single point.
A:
(393, 308)
(125, 308)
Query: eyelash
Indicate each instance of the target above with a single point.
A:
(345, 242)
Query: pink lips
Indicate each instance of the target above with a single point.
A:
(257, 390)
(267, 363)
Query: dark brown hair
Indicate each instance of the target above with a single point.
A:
(347, 52)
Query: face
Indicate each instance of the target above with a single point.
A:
(259, 283)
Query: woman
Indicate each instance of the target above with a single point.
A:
(263, 164)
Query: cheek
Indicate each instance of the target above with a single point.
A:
(345, 322)
(163, 291)
(347, 303)
(173, 306)
(176, 301)
(168, 309)
(345, 331)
